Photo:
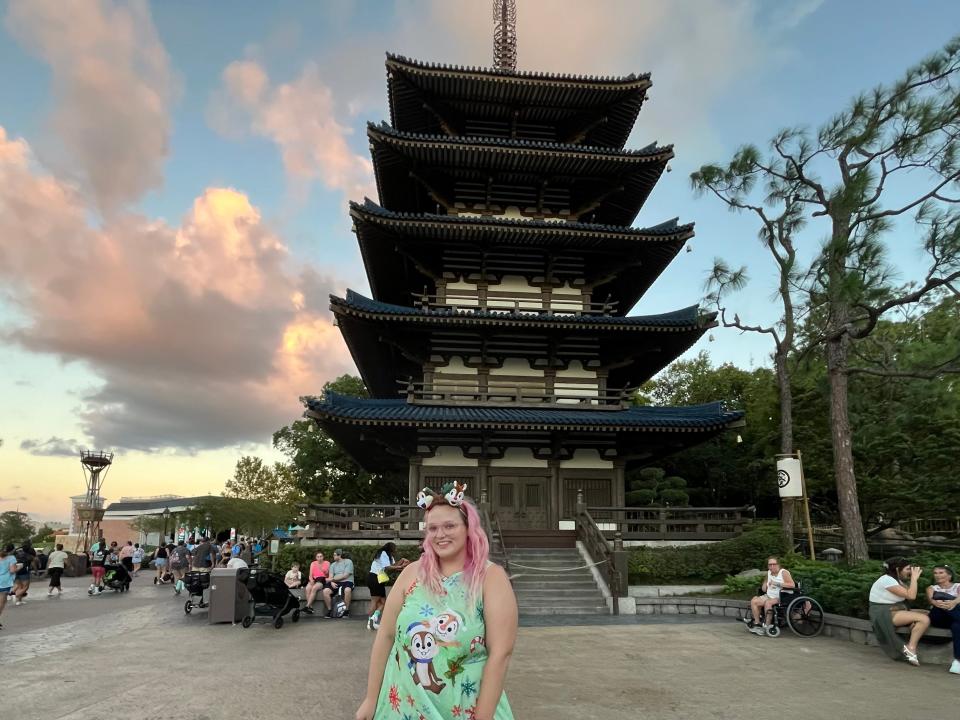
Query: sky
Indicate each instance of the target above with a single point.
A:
(174, 181)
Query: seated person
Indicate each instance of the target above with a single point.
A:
(888, 610)
(317, 580)
(341, 579)
(292, 579)
(777, 579)
(944, 597)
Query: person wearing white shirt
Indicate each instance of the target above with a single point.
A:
(778, 578)
(888, 610)
(236, 562)
(55, 564)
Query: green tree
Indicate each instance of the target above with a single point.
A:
(893, 153)
(323, 472)
(253, 480)
(15, 527)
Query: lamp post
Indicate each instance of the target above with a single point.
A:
(166, 516)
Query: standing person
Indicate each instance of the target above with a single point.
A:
(8, 568)
(449, 635)
(126, 556)
(98, 558)
(137, 558)
(377, 580)
(888, 610)
(55, 565)
(26, 558)
(202, 555)
(179, 559)
(246, 554)
(341, 581)
(316, 580)
(944, 597)
(160, 562)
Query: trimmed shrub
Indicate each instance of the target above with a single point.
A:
(674, 497)
(709, 562)
(640, 497)
(673, 483)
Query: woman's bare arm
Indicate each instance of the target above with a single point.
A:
(500, 618)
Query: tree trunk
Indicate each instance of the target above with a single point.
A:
(842, 438)
(786, 436)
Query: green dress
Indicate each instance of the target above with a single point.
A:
(436, 663)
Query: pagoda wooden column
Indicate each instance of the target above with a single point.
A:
(414, 485)
(483, 475)
(619, 494)
(553, 510)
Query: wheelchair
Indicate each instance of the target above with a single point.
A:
(796, 610)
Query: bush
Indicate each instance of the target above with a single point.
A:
(362, 556)
(674, 497)
(640, 497)
(673, 483)
(709, 562)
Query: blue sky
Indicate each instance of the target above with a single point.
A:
(199, 118)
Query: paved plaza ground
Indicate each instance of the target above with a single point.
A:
(114, 656)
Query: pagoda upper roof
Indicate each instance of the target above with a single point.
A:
(598, 110)
(391, 343)
(376, 411)
(689, 318)
(403, 252)
(609, 186)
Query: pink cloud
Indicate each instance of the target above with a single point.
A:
(112, 87)
(300, 118)
(201, 334)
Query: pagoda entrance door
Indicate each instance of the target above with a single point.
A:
(520, 502)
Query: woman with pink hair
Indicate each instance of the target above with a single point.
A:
(449, 625)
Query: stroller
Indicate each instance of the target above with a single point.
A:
(269, 596)
(117, 578)
(195, 583)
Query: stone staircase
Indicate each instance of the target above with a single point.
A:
(553, 591)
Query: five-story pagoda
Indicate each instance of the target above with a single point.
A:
(502, 264)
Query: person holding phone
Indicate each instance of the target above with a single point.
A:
(888, 610)
(944, 597)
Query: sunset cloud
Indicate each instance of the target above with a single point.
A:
(112, 88)
(300, 118)
(52, 447)
(201, 333)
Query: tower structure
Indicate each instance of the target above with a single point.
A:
(502, 264)
(95, 465)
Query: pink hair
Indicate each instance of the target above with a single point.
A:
(475, 564)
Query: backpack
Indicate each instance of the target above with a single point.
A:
(338, 608)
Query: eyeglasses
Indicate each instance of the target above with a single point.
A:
(448, 528)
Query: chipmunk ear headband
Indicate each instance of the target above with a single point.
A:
(451, 494)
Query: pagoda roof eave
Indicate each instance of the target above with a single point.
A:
(710, 417)
(395, 60)
(575, 233)
(604, 108)
(684, 320)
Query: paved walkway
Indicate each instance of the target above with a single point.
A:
(697, 667)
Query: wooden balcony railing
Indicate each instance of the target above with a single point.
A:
(513, 394)
(363, 521)
(672, 523)
(514, 302)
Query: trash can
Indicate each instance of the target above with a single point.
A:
(229, 597)
(76, 565)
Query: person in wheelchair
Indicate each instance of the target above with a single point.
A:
(778, 587)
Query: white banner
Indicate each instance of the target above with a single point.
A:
(790, 477)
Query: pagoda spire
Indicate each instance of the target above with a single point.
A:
(505, 35)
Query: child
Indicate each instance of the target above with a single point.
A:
(293, 578)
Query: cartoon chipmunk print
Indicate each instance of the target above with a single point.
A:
(456, 494)
(446, 626)
(423, 648)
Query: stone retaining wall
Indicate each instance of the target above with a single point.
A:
(936, 647)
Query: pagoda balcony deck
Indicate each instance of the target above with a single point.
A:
(672, 523)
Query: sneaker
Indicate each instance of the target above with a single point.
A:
(308, 610)
(955, 667)
(100, 589)
(757, 630)
(345, 615)
(911, 656)
(19, 602)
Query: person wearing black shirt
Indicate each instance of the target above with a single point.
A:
(27, 557)
(98, 559)
(160, 561)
